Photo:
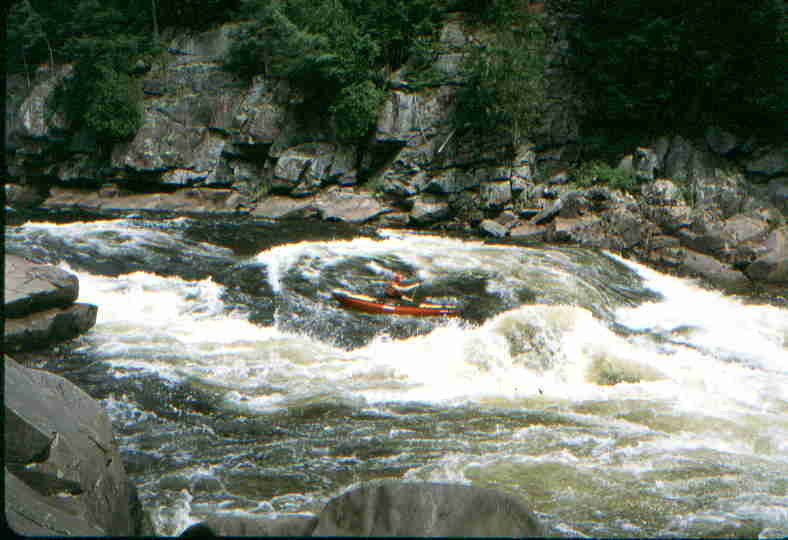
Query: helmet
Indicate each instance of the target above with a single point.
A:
(399, 276)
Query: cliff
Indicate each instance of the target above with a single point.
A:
(713, 205)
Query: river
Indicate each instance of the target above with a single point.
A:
(614, 400)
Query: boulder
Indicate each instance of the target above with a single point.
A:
(626, 228)
(770, 162)
(528, 231)
(21, 196)
(772, 266)
(235, 526)
(723, 238)
(345, 205)
(677, 160)
(429, 208)
(548, 213)
(190, 199)
(31, 287)
(44, 328)
(715, 272)
(560, 177)
(28, 512)
(303, 169)
(64, 475)
(720, 141)
(662, 192)
(586, 230)
(451, 180)
(427, 509)
(495, 194)
(493, 228)
(34, 118)
(279, 207)
(644, 163)
(161, 143)
(403, 184)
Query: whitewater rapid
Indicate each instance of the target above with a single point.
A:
(615, 399)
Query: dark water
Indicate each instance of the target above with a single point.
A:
(614, 400)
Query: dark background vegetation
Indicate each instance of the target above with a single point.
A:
(647, 65)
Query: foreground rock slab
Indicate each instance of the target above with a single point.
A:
(48, 327)
(63, 472)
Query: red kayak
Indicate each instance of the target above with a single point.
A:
(368, 304)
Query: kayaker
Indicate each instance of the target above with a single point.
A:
(398, 286)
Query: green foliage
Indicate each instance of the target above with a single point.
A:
(593, 172)
(114, 111)
(504, 79)
(26, 39)
(104, 50)
(356, 109)
(334, 51)
(672, 62)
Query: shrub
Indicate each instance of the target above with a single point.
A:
(114, 111)
(356, 109)
(504, 87)
(334, 51)
(595, 171)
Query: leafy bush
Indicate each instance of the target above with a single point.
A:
(114, 111)
(356, 109)
(505, 85)
(592, 172)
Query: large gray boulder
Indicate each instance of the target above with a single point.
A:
(342, 204)
(769, 162)
(64, 475)
(772, 265)
(427, 509)
(31, 287)
(429, 208)
(39, 305)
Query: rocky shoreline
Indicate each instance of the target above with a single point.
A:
(711, 206)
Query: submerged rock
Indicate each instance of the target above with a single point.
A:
(427, 509)
(290, 526)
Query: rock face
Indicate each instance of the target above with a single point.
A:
(214, 143)
(39, 305)
(63, 473)
(421, 509)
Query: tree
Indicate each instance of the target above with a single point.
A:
(672, 62)
(26, 38)
(504, 83)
